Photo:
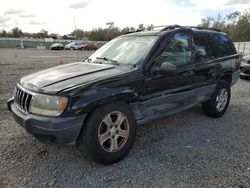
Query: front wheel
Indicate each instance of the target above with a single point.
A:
(219, 101)
(109, 133)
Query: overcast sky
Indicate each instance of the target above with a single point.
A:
(57, 16)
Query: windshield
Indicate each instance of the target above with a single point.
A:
(125, 50)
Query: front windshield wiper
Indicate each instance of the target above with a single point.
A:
(114, 62)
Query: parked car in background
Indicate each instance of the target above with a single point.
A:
(91, 47)
(73, 46)
(245, 67)
(56, 46)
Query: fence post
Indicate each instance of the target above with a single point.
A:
(244, 48)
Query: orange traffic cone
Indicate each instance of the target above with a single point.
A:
(61, 61)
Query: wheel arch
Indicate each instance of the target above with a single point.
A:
(227, 77)
(124, 97)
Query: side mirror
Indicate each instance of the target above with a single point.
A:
(168, 69)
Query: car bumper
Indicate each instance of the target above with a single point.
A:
(60, 130)
(235, 77)
(245, 71)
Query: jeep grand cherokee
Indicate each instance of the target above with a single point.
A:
(132, 80)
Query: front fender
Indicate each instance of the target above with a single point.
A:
(85, 103)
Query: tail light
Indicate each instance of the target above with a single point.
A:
(237, 65)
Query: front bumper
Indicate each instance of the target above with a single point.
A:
(235, 77)
(61, 130)
(245, 70)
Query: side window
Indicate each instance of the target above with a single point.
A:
(178, 51)
(202, 48)
(224, 45)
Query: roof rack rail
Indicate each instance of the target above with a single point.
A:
(171, 27)
(206, 28)
(138, 30)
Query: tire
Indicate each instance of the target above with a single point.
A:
(218, 104)
(103, 138)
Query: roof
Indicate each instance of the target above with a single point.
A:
(144, 33)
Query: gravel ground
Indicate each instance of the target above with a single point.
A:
(184, 150)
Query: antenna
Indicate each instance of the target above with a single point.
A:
(74, 22)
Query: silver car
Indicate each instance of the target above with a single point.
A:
(73, 46)
(245, 67)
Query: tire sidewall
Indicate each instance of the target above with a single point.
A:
(221, 85)
(91, 133)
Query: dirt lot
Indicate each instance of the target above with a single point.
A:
(184, 150)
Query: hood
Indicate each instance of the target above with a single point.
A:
(62, 77)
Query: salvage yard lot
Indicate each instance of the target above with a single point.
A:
(184, 150)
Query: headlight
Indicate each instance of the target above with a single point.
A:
(48, 105)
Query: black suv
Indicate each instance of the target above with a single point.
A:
(132, 80)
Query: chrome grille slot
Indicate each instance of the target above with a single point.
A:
(22, 99)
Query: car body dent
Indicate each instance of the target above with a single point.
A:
(126, 87)
(60, 78)
(170, 102)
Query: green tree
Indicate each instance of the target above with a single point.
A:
(110, 25)
(216, 22)
(4, 33)
(219, 22)
(236, 24)
(206, 22)
(79, 33)
(41, 34)
(132, 29)
(241, 31)
(53, 35)
(141, 27)
(125, 30)
(16, 32)
(150, 27)
(232, 18)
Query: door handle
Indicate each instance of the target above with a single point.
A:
(156, 77)
(188, 73)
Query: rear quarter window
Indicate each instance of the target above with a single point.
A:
(223, 44)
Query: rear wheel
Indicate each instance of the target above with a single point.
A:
(109, 133)
(219, 101)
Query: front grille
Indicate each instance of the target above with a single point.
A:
(247, 71)
(22, 99)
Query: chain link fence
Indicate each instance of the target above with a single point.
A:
(242, 47)
(34, 43)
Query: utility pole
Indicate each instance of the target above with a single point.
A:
(77, 55)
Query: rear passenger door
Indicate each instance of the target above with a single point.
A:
(205, 56)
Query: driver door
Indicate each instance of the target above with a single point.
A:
(164, 92)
